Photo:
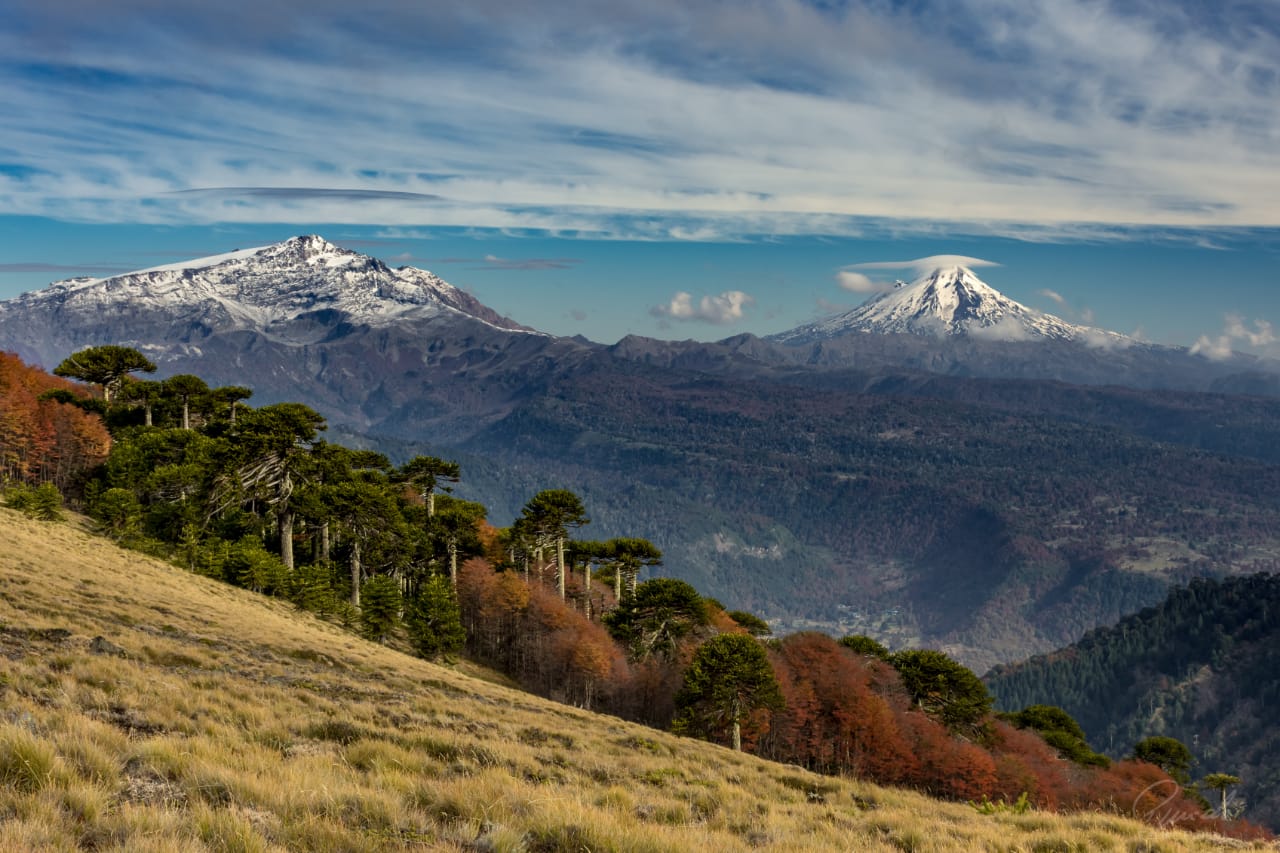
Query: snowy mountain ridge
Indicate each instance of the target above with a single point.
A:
(268, 286)
(948, 302)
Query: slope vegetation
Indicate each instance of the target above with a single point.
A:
(994, 519)
(1203, 667)
(145, 708)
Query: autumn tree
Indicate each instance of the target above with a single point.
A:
(728, 678)
(104, 366)
(47, 433)
(834, 720)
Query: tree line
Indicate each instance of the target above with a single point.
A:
(255, 497)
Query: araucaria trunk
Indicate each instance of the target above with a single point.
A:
(355, 573)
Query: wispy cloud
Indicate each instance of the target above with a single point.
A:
(1053, 296)
(727, 308)
(923, 266)
(77, 269)
(493, 262)
(856, 282)
(345, 194)
(1259, 338)
(696, 120)
(851, 279)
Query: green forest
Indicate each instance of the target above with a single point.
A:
(1202, 667)
(255, 497)
(984, 522)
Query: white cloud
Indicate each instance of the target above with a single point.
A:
(687, 120)
(856, 282)
(1236, 335)
(729, 307)
(923, 266)
(1104, 340)
(1008, 329)
(1053, 295)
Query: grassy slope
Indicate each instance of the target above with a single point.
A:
(232, 722)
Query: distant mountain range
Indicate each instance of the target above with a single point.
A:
(915, 469)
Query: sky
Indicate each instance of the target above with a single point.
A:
(673, 168)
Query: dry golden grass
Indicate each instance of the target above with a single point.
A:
(214, 719)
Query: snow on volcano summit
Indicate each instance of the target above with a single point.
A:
(950, 301)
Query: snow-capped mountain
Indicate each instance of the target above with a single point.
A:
(948, 302)
(300, 319)
(268, 288)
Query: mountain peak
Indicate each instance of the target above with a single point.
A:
(308, 246)
(950, 301)
(301, 286)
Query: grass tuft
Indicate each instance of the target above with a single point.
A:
(27, 763)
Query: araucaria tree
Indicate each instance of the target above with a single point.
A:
(1220, 782)
(943, 688)
(657, 617)
(547, 518)
(728, 679)
(272, 445)
(424, 473)
(433, 618)
(104, 366)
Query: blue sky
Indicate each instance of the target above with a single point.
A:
(677, 169)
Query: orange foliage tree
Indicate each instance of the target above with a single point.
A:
(45, 441)
(834, 720)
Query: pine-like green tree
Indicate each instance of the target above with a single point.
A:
(942, 687)
(433, 618)
(380, 604)
(104, 366)
(1169, 754)
(728, 678)
(43, 502)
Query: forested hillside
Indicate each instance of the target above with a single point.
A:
(974, 520)
(149, 709)
(254, 498)
(1203, 667)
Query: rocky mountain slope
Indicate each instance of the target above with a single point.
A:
(355, 338)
